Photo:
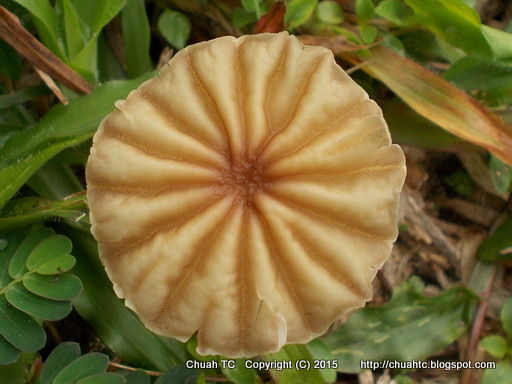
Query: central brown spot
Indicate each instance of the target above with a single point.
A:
(243, 179)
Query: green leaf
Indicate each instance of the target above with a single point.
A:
(18, 265)
(111, 319)
(410, 327)
(48, 249)
(82, 367)
(59, 287)
(10, 244)
(501, 174)
(19, 329)
(321, 353)
(23, 95)
(37, 306)
(500, 42)
(136, 38)
(10, 62)
(241, 18)
(8, 353)
(298, 12)
(368, 33)
(138, 377)
(46, 22)
(364, 10)
(495, 345)
(57, 265)
(396, 12)
(28, 210)
(75, 41)
(59, 358)
(178, 375)
(18, 371)
(95, 14)
(498, 246)
(25, 151)
(103, 378)
(329, 12)
(240, 374)
(252, 6)
(302, 371)
(500, 375)
(454, 22)
(175, 27)
(461, 183)
(484, 78)
(506, 316)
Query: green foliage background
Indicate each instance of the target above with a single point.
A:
(44, 227)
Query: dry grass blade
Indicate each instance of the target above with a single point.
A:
(16, 36)
(441, 102)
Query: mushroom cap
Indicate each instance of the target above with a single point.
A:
(248, 193)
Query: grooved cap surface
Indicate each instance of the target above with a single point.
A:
(248, 193)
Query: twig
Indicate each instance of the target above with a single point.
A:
(128, 368)
(51, 84)
(27, 46)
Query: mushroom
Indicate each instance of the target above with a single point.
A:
(248, 193)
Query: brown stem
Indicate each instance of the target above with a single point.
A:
(27, 46)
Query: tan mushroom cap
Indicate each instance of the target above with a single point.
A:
(249, 193)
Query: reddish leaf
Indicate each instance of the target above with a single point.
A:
(273, 20)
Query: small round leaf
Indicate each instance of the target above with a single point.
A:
(364, 10)
(85, 366)
(37, 306)
(103, 378)
(8, 353)
(48, 249)
(506, 316)
(58, 359)
(329, 12)
(57, 265)
(138, 377)
(56, 287)
(298, 12)
(175, 27)
(11, 242)
(18, 267)
(495, 345)
(20, 329)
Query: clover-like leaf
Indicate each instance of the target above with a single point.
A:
(65, 365)
(54, 246)
(20, 329)
(17, 266)
(58, 265)
(8, 353)
(33, 287)
(62, 287)
(36, 306)
(85, 366)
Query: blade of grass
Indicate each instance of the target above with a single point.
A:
(22, 96)
(136, 36)
(28, 210)
(46, 21)
(25, 151)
